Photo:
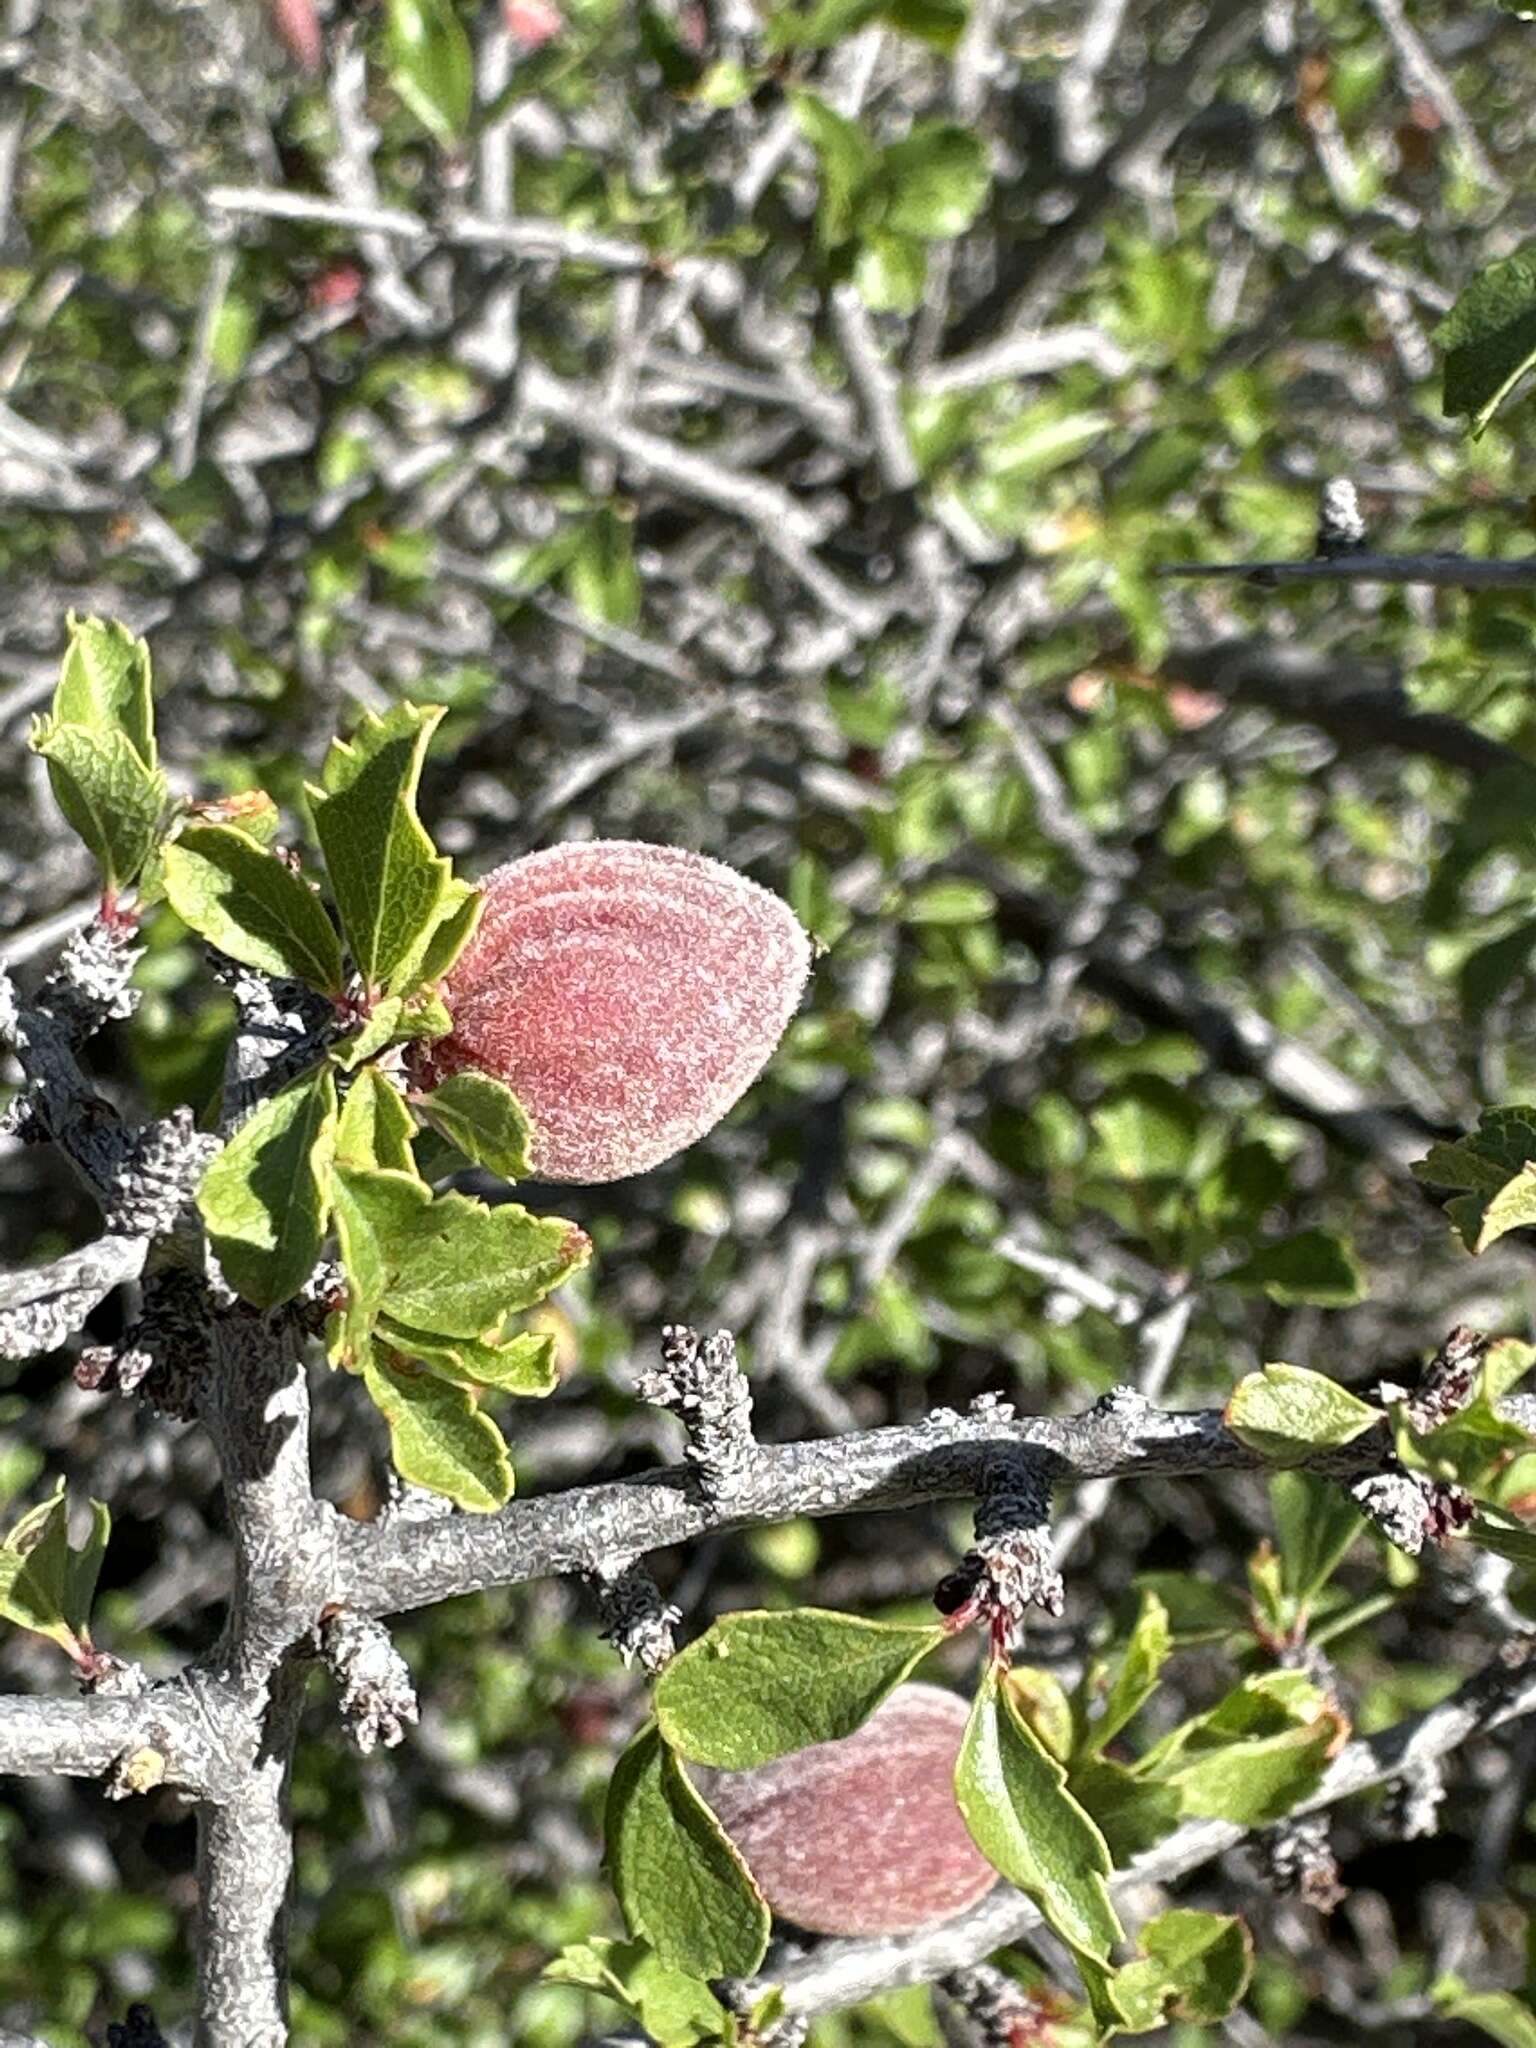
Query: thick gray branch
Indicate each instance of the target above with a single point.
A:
(387, 1567)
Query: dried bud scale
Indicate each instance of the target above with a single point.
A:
(373, 1683)
(628, 994)
(1297, 1859)
(700, 1380)
(861, 1836)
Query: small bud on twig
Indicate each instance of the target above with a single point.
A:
(373, 1683)
(636, 1620)
(700, 1380)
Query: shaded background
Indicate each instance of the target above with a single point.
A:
(1166, 922)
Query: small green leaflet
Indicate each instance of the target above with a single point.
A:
(516, 1365)
(1193, 1967)
(1131, 1813)
(110, 798)
(849, 164)
(458, 915)
(265, 1199)
(1488, 339)
(430, 65)
(46, 1586)
(1013, 1794)
(674, 2008)
(1256, 1754)
(388, 880)
(1494, 1530)
(251, 905)
(679, 1881)
(1288, 1414)
(1136, 1679)
(757, 1685)
(1315, 1524)
(484, 1119)
(375, 1128)
(104, 685)
(438, 1437)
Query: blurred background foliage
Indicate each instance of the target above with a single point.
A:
(764, 425)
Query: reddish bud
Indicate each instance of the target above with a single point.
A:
(298, 25)
(339, 284)
(531, 23)
(627, 994)
(861, 1836)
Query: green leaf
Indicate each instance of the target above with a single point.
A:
(1288, 1414)
(439, 1439)
(890, 272)
(673, 2007)
(1310, 1266)
(1495, 1165)
(1494, 1530)
(484, 1119)
(457, 916)
(937, 179)
(265, 1199)
(524, 1364)
(375, 1128)
(951, 900)
(110, 798)
(1256, 1754)
(1135, 1681)
(679, 1882)
(601, 577)
(1488, 339)
(1315, 1523)
(251, 905)
(1193, 1967)
(104, 685)
(1499, 2014)
(46, 1586)
(1041, 1700)
(431, 65)
(757, 1685)
(1148, 1129)
(849, 162)
(446, 1265)
(388, 881)
(1013, 1795)
(1131, 1813)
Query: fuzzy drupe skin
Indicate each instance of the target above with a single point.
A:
(860, 1836)
(628, 994)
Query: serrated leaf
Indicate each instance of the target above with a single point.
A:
(388, 880)
(524, 1364)
(1493, 1167)
(1013, 1795)
(1488, 339)
(937, 179)
(375, 1129)
(110, 798)
(1134, 1682)
(1287, 1413)
(265, 1199)
(431, 65)
(1193, 1967)
(104, 685)
(679, 1882)
(251, 905)
(46, 1586)
(756, 1685)
(445, 1265)
(438, 1437)
(484, 1119)
(1310, 1266)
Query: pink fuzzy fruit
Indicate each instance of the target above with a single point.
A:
(860, 1836)
(299, 27)
(627, 994)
